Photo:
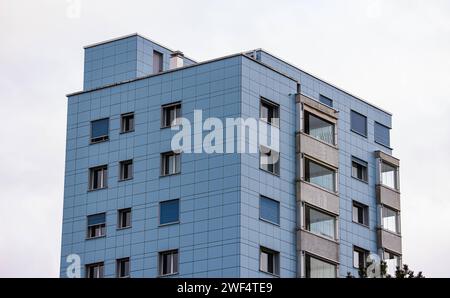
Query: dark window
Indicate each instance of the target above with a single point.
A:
(359, 123)
(360, 257)
(319, 128)
(126, 169)
(168, 262)
(96, 225)
(320, 175)
(127, 122)
(169, 212)
(94, 270)
(269, 210)
(269, 160)
(325, 100)
(269, 261)
(317, 268)
(270, 112)
(124, 218)
(98, 177)
(99, 130)
(123, 268)
(360, 213)
(170, 163)
(157, 62)
(359, 169)
(170, 115)
(320, 223)
(382, 134)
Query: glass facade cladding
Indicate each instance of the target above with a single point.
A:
(135, 206)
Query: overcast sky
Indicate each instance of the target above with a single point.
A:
(395, 54)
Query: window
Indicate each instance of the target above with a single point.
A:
(358, 123)
(169, 212)
(316, 268)
(382, 134)
(269, 160)
(96, 225)
(170, 163)
(392, 262)
(123, 268)
(269, 210)
(360, 257)
(168, 262)
(359, 169)
(389, 175)
(126, 169)
(320, 223)
(390, 219)
(319, 128)
(320, 175)
(360, 213)
(94, 270)
(325, 100)
(157, 62)
(171, 114)
(127, 123)
(124, 218)
(269, 112)
(99, 130)
(269, 261)
(98, 177)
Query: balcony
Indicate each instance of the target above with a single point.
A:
(390, 241)
(317, 196)
(317, 149)
(388, 197)
(317, 245)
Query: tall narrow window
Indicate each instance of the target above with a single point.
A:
(170, 163)
(269, 261)
(169, 212)
(382, 134)
(270, 112)
(157, 62)
(99, 130)
(358, 123)
(320, 223)
(94, 270)
(390, 219)
(325, 100)
(123, 268)
(320, 175)
(389, 175)
(269, 160)
(317, 268)
(359, 169)
(126, 169)
(127, 122)
(319, 128)
(168, 262)
(96, 225)
(98, 177)
(124, 218)
(269, 210)
(171, 114)
(360, 213)
(359, 257)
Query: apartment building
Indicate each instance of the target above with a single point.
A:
(134, 207)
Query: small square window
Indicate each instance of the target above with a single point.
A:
(96, 225)
(98, 177)
(94, 270)
(269, 160)
(359, 169)
(358, 123)
(170, 163)
(124, 218)
(123, 268)
(157, 62)
(171, 114)
(269, 210)
(360, 257)
(168, 262)
(99, 130)
(127, 123)
(126, 169)
(325, 100)
(269, 261)
(360, 213)
(270, 112)
(169, 212)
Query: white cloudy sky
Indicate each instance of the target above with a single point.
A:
(395, 54)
